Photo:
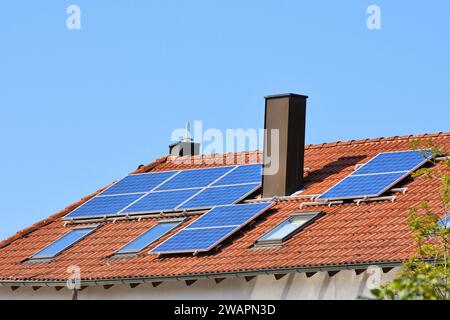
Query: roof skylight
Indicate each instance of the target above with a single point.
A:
(148, 237)
(287, 228)
(63, 243)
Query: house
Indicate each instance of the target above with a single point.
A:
(297, 247)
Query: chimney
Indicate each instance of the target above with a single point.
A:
(287, 113)
(185, 147)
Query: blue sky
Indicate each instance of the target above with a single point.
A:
(81, 108)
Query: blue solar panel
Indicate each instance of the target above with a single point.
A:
(229, 215)
(211, 228)
(361, 186)
(103, 205)
(215, 196)
(152, 191)
(139, 183)
(243, 174)
(190, 240)
(378, 175)
(393, 162)
(161, 200)
(194, 178)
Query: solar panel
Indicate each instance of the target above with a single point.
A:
(394, 162)
(191, 240)
(105, 205)
(161, 200)
(139, 183)
(229, 215)
(362, 186)
(212, 228)
(378, 175)
(215, 196)
(195, 178)
(173, 190)
(251, 173)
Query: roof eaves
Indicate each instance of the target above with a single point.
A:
(204, 276)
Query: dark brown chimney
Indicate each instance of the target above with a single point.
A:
(287, 114)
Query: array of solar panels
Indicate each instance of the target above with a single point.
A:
(378, 175)
(173, 190)
(219, 189)
(212, 228)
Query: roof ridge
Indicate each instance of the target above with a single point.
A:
(378, 139)
(316, 146)
(145, 168)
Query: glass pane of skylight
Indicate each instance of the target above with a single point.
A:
(287, 227)
(148, 237)
(62, 243)
(284, 229)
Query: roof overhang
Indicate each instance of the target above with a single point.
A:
(203, 276)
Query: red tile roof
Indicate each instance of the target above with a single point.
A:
(348, 234)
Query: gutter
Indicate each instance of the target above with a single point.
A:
(203, 276)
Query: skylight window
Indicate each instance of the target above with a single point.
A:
(445, 221)
(148, 237)
(63, 243)
(287, 228)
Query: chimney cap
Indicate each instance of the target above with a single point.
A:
(285, 95)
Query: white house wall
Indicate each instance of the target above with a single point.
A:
(344, 285)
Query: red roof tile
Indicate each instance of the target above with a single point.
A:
(347, 234)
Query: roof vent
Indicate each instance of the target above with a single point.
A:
(186, 146)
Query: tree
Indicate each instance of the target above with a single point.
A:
(426, 275)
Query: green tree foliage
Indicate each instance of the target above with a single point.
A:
(426, 274)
